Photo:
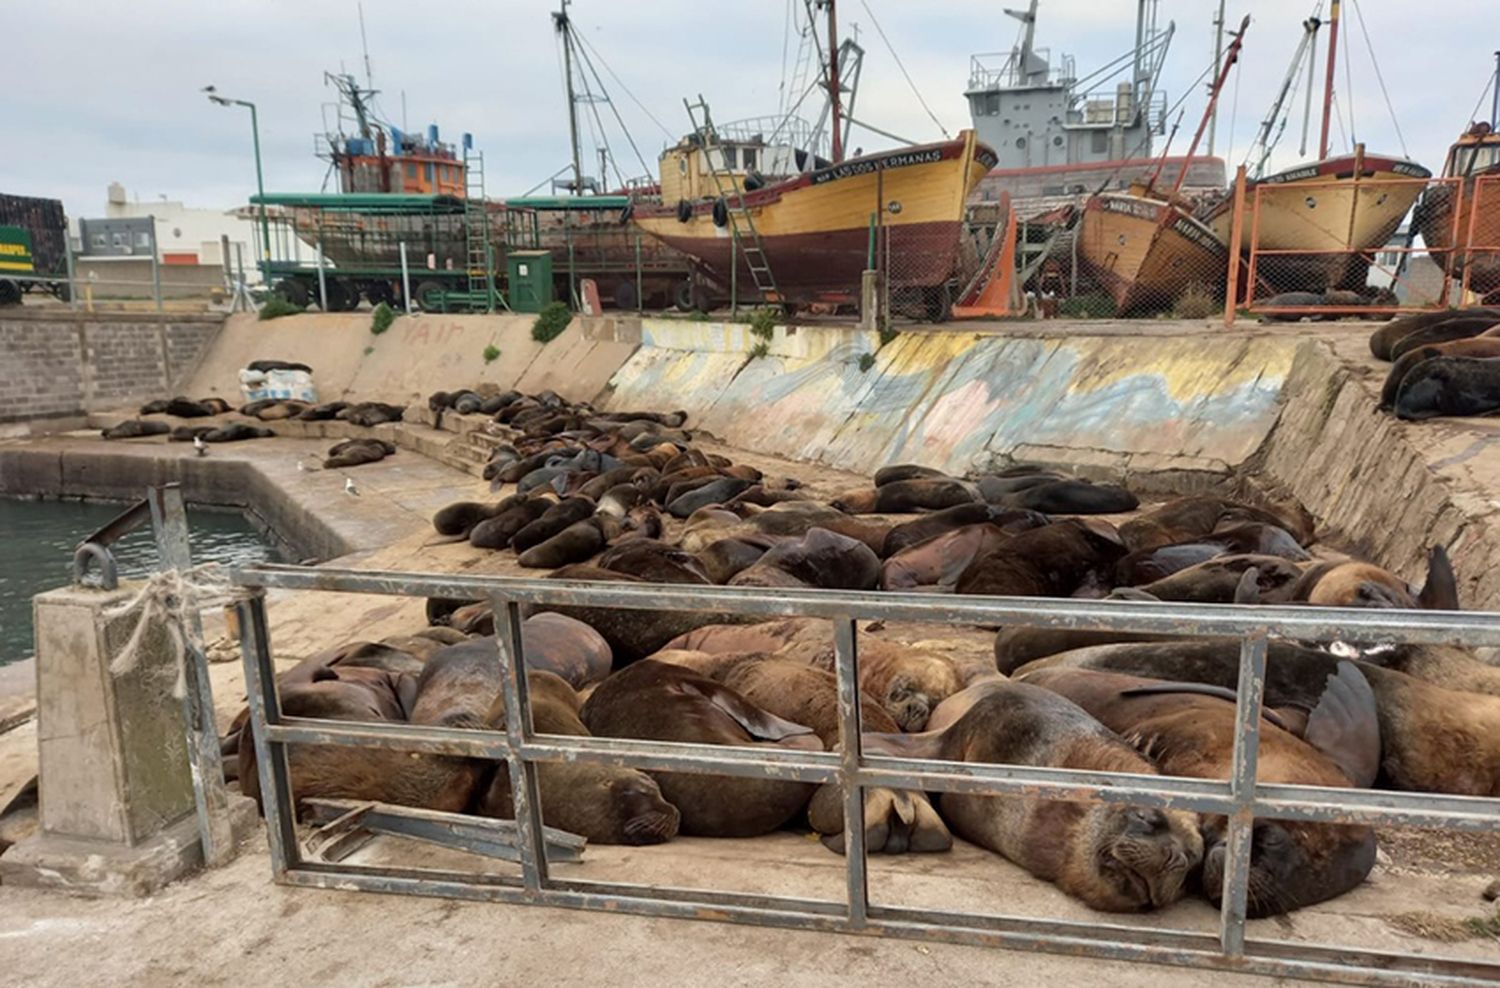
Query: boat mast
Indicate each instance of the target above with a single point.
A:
(833, 82)
(564, 26)
(1333, 49)
(1495, 99)
(1230, 57)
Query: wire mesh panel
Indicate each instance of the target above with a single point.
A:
(1479, 260)
(1241, 799)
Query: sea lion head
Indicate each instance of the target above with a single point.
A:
(1134, 858)
(612, 805)
(1292, 863)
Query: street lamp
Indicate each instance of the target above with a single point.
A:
(260, 183)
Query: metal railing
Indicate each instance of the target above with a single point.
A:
(1241, 798)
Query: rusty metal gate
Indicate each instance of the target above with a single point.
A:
(1241, 798)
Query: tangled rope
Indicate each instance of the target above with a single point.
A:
(171, 597)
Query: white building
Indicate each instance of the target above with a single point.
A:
(184, 235)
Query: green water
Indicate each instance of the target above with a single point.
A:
(39, 538)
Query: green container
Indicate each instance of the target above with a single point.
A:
(530, 278)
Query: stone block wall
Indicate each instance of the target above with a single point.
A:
(59, 365)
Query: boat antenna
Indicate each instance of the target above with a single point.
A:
(364, 44)
(563, 25)
(1213, 122)
(1333, 49)
(1230, 57)
(836, 130)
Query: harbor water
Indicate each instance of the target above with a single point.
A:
(40, 537)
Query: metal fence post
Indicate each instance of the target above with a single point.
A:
(518, 731)
(322, 279)
(155, 266)
(1236, 225)
(405, 279)
(640, 292)
(1247, 710)
(734, 274)
(270, 756)
(846, 664)
(72, 276)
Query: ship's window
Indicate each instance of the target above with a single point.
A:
(1057, 141)
(731, 159)
(1100, 143)
(992, 104)
(1006, 121)
(1487, 157)
(411, 171)
(1020, 142)
(749, 158)
(429, 173)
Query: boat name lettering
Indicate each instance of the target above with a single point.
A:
(1132, 207)
(1409, 169)
(867, 165)
(1295, 175)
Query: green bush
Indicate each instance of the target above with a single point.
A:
(866, 361)
(381, 318)
(887, 334)
(491, 353)
(763, 324)
(759, 350)
(276, 306)
(1196, 302)
(550, 322)
(1094, 306)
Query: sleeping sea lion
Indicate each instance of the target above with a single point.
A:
(559, 516)
(1051, 561)
(1190, 519)
(1449, 386)
(1071, 497)
(1479, 346)
(721, 560)
(1113, 857)
(904, 496)
(662, 702)
(135, 429)
(1384, 339)
(1218, 579)
(497, 531)
(910, 533)
(1293, 863)
(579, 542)
(1460, 327)
(655, 561)
(818, 559)
(939, 561)
(907, 471)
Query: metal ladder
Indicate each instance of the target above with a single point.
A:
(477, 258)
(734, 202)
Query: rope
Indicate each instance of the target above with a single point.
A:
(170, 598)
(907, 75)
(1380, 78)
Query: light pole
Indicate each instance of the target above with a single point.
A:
(260, 182)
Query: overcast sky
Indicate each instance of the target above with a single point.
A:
(108, 90)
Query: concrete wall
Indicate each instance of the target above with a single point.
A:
(60, 365)
(1181, 409)
(130, 278)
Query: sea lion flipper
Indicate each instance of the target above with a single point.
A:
(927, 744)
(406, 692)
(759, 724)
(1247, 591)
(1440, 592)
(1345, 725)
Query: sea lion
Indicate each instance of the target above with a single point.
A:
(895, 821)
(135, 429)
(1457, 328)
(632, 633)
(994, 488)
(939, 561)
(156, 406)
(1432, 739)
(1449, 386)
(579, 542)
(788, 519)
(187, 433)
(1387, 336)
(1217, 580)
(460, 517)
(662, 702)
(373, 413)
(1353, 583)
(1112, 857)
(597, 487)
(266, 366)
(907, 471)
(1051, 561)
(186, 408)
(908, 534)
(567, 648)
(497, 531)
(818, 559)
(721, 560)
(559, 516)
(1071, 497)
(1193, 518)
(717, 492)
(322, 413)
(655, 561)
(233, 432)
(355, 452)
(906, 496)
(1292, 863)
(1253, 538)
(1483, 347)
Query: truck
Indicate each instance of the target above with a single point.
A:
(33, 248)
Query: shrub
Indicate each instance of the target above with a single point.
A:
(763, 324)
(1196, 302)
(381, 319)
(492, 353)
(276, 306)
(759, 350)
(887, 335)
(1093, 306)
(866, 361)
(550, 322)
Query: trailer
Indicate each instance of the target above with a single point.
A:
(33, 248)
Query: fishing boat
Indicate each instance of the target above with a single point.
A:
(1146, 249)
(1334, 212)
(756, 209)
(1463, 216)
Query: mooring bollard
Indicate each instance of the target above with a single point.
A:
(122, 807)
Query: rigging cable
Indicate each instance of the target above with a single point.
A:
(892, 49)
(1349, 86)
(1484, 94)
(1380, 78)
(1234, 113)
(624, 88)
(645, 169)
(786, 38)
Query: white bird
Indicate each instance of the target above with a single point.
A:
(349, 487)
(200, 446)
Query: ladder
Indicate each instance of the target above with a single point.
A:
(477, 259)
(748, 241)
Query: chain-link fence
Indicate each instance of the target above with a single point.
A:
(1478, 262)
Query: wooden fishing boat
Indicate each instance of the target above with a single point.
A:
(1339, 210)
(1463, 217)
(814, 227)
(1146, 249)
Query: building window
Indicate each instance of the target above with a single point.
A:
(99, 240)
(142, 238)
(411, 171)
(749, 158)
(731, 159)
(118, 239)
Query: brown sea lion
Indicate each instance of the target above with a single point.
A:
(1251, 538)
(1460, 327)
(356, 452)
(1292, 863)
(1051, 561)
(910, 533)
(1480, 346)
(1384, 339)
(907, 471)
(787, 519)
(655, 562)
(1071, 497)
(1449, 386)
(1217, 580)
(721, 560)
(372, 413)
(662, 702)
(1432, 739)
(903, 496)
(187, 433)
(1190, 519)
(233, 432)
(565, 647)
(497, 531)
(559, 516)
(135, 429)
(1112, 857)
(939, 561)
(895, 821)
(460, 517)
(579, 542)
(818, 559)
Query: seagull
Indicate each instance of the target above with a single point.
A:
(349, 487)
(199, 445)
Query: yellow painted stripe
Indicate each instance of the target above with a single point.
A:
(17, 266)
